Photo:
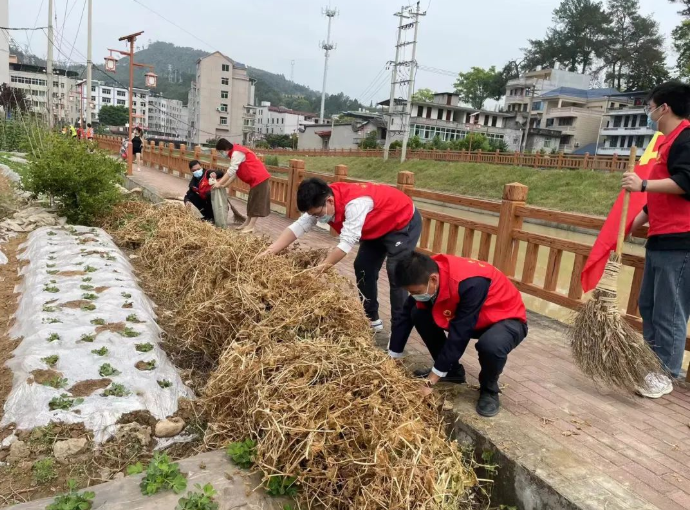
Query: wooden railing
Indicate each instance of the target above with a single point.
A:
(557, 161)
(507, 245)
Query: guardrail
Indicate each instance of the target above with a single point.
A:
(499, 244)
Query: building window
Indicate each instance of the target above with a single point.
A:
(106, 100)
(428, 112)
(223, 107)
(55, 84)
(225, 81)
(282, 121)
(93, 89)
(547, 143)
(494, 121)
(223, 94)
(226, 68)
(62, 85)
(223, 121)
(121, 93)
(420, 111)
(134, 103)
(106, 91)
(119, 101)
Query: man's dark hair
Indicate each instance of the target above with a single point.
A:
(675, 94)
(415, 269)
(88, 125)
(193, 163)
(312, 193)
(223, 145)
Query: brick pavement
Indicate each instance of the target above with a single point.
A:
(643, 444)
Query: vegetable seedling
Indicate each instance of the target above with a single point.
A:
(107, 370)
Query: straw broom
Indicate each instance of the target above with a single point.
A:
(605, 346)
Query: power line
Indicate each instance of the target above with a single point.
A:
(78, 29)
(18, 28)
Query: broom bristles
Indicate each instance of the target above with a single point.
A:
(604, 345)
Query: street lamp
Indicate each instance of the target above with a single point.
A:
(150, 81)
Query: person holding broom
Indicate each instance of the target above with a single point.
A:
(665, 293)
(452, 300)
(381, 218)
(249, 169)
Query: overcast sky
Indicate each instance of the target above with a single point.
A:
(454, 35)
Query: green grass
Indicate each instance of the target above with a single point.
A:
(580, 191)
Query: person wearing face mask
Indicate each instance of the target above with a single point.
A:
(199, 192)
(665, 293)
(452, 300)
(381, 218)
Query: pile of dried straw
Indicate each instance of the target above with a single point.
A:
(295, 369)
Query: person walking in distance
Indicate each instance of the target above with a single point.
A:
(381, 218)
(245, 166)
(89, 133)
(137, 144)
(665, 293)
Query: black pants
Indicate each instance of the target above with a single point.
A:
(204, 206)
(394, 246)
(493, 344)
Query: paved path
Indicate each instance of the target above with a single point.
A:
(643, 444)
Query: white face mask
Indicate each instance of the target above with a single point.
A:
(425, 297)
(197, 173)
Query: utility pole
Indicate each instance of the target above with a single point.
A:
(49, 66)
(89, 65)
(327, 46)
(413, 71)
(292, 71)
(529, 115)
(394, 76)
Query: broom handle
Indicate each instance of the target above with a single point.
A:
(626, 204)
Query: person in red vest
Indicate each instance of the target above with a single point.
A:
(199, 192)
(452, 300)
(381, 218)
(665, 293)
(249, 169)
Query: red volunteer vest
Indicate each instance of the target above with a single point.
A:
(668, 214)
(392, 211)
(503, 301)
(251, 170)
(204, 187)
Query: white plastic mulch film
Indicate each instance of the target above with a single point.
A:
(79, 295)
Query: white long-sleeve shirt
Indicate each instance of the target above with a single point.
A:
(355, 214)
(236, 159)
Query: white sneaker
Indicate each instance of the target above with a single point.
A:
(656, 386)
(377, 326)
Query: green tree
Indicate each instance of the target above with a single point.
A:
(370, 141)
(681, 39)
(634, 53)
(425, 95)
(278, 141)
(576, 40)
(13, 100)
(478, 85)
(113, 115)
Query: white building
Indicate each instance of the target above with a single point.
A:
(108, 95)
(217, 100)
(165, 117)
(32, 80)
(519, 90)
(624, 125)
(4, 44)
(278, 120)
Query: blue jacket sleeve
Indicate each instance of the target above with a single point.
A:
(401, 331)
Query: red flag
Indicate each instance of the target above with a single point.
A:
(606, 240)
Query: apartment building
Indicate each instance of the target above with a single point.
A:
(103, 94)
(278, 120)
(519, 90)
(33, 81)
(446, 118)
(165, 117)
(575, 113)
(217, 100)
(624, 125)
(342, 135)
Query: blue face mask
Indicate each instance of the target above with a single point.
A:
(423, 298)
(653, 124)
(197, 173)
(326, 218)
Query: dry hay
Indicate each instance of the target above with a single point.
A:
(604, 345)
(295, 368)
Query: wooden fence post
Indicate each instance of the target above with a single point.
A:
(516, 158)
(161, 164)
(560, 160)
(340, 172)
(197, 151)
(496, 154)
(294, 178)
(585, 162)
(514, 195)
(405, 181)
(614, 162)
(214, 158)
(183, 151)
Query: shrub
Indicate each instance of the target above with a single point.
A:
(83, 182)
(370, 141)
(162, 474)
(17, 136)
(271, 160)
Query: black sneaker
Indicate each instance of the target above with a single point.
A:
(488, 404)
(456, 375)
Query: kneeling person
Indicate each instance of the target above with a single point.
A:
(467, 299)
